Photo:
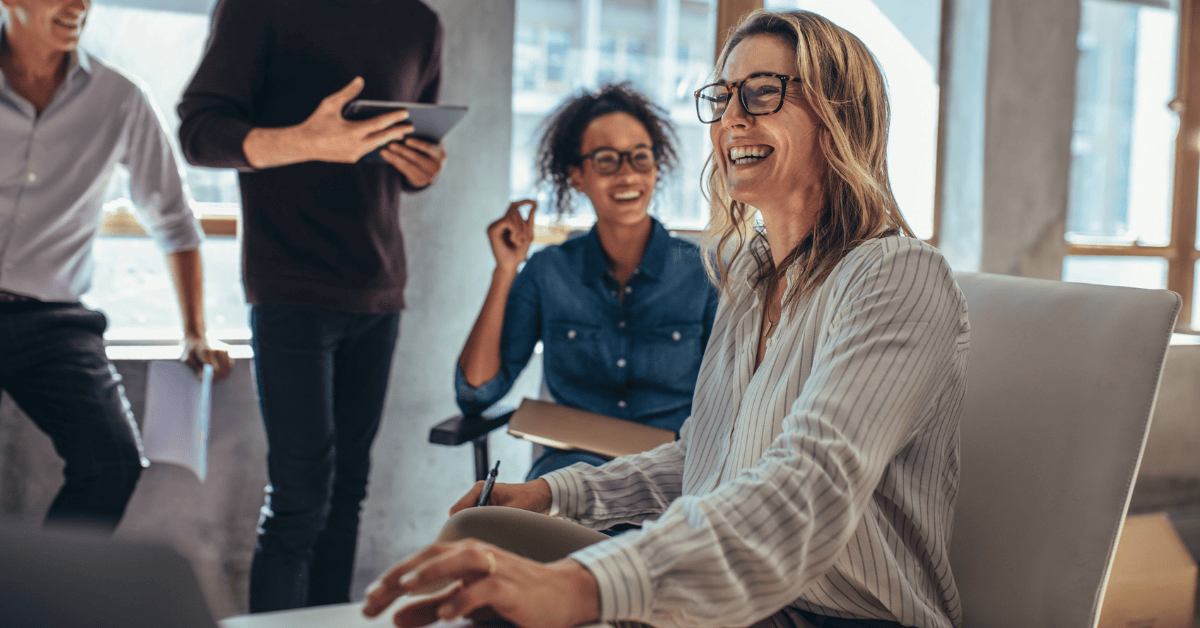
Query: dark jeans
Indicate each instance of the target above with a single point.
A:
(554, 459)
(53, 365)
(322, 377)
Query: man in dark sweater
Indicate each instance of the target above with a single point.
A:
(322, 253)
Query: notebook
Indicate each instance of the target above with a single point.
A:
(566, 428)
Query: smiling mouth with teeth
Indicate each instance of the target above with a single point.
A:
(741, 155)
(627, 196)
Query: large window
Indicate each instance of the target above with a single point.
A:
(1132, 211)
(904, 36)
(131, 284)
(663, 47)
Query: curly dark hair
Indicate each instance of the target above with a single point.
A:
(562, 135)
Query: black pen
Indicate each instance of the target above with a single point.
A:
(487, 486)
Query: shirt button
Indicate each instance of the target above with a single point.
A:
(621, 404)
(31, 177)
(628, 289)
(621, 363)
(571, 334)
(676, 336)
(621, 324)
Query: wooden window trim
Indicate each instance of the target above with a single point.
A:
(123, 223)
(1181, 254)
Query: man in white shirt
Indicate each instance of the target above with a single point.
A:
(66, 121)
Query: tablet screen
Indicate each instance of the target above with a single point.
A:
(430, 122)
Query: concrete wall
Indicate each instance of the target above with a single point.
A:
(1010, 91)
(1171, 460)
(413, 483)
(1009, 103)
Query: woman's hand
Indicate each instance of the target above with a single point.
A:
(491, 582)
(533, 496)
(511, 236)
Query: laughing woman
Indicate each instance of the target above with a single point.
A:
(623, 312)
(814, 484)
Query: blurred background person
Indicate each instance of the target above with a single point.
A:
(323, 255)
(67, 120)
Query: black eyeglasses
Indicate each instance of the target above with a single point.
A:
(760, 95)
(608, 161)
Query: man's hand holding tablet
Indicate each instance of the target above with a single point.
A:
(343, 130)
(419, 156)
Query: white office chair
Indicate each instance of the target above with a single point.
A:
(1061, 382)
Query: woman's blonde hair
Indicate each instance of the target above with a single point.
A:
(843, 86)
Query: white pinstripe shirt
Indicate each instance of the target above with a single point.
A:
(55, 167)
(825, 480)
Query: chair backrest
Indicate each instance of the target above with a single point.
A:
(1061, 382)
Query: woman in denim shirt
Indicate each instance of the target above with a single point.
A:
(623, 312)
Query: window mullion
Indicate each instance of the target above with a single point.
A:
(729, 14)
(1181, 265)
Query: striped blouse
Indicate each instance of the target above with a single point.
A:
(823, 481)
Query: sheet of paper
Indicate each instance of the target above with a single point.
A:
(177, 415)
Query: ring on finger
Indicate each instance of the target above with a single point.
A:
(491, 558)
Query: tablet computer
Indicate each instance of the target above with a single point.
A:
(430, 122)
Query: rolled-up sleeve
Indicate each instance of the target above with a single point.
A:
(520, 334)
(156, 183)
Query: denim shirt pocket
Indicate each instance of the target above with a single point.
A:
(574, 351)
(669, 355)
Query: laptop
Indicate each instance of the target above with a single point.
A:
(58, 579)
(76, 580)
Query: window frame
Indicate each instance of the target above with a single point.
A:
(213, 221)
(216, 219)
(1181, 254)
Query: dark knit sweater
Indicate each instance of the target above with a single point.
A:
(313, 233)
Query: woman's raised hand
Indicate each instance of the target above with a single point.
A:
(511, 236)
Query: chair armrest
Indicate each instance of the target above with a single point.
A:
(457, 430)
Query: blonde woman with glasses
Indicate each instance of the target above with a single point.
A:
(814, 483)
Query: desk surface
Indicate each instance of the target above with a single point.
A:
(334, 616)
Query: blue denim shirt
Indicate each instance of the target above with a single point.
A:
(636, 361)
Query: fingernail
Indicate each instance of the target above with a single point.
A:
(407, 578)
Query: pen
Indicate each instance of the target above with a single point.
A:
(487, 486)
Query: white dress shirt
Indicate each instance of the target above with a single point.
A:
(55, 168)
(823, 481)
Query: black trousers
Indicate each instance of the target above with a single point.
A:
(53, 365)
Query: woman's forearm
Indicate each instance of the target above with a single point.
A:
(480, 359)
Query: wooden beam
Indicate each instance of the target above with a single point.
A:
(729, 15)
(1182, 266)
(1120, 250)
(939, 164)
(124, 224)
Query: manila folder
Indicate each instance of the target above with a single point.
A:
(566, 428)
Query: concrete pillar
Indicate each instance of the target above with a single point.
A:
(1008, 107)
